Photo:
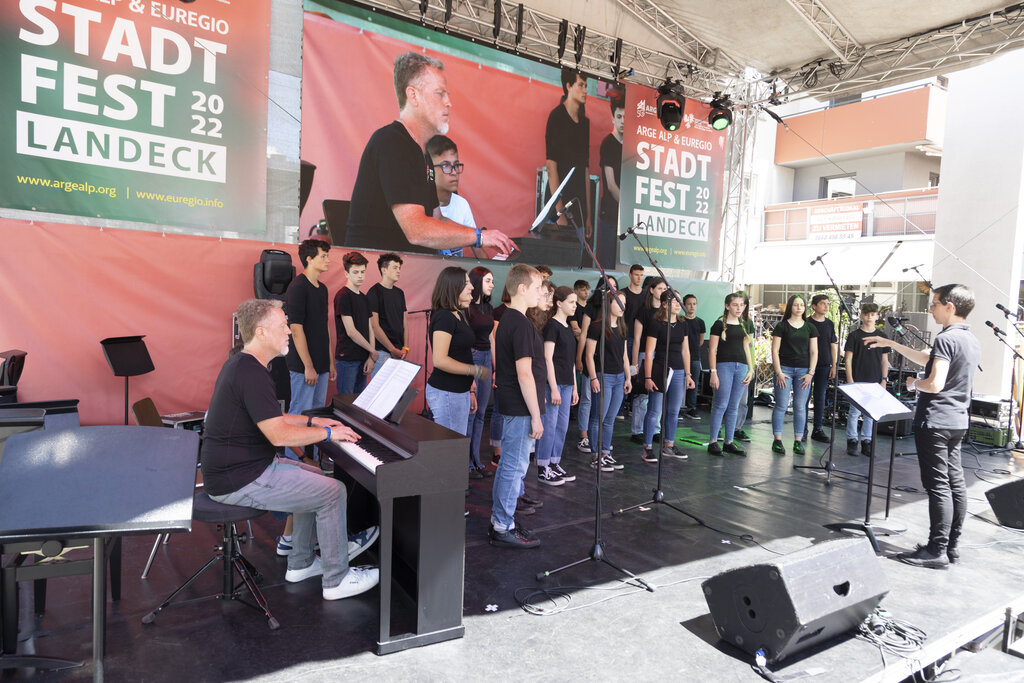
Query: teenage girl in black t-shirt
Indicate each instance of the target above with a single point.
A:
(559, 349)
(481, 320)
(794, 355)
(732, 369)
(614, 368)
(653, 289)
(448, 390)
(657, 360)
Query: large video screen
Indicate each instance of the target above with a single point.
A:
(507, 118)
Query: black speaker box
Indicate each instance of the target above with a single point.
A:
(1007, 502)
(798, 600)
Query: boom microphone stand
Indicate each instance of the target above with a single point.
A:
(658, 497)
(597, 549)
(844, 309)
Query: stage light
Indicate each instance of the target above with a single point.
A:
(563, 34)
(617, 58)
(671, 104)
(581, 35)
(447, 11)
(497, 19)
(720, 117)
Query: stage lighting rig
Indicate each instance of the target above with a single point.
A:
(720, 117)
(671, 103)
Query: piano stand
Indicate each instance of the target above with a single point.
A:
(416, 472)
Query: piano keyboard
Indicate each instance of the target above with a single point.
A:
(369, 452)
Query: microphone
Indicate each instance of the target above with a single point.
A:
(997, 330)
(895, 324)
(629, 231)
(566, 207)
(913, 267)
(1006, 312)
(818, 258)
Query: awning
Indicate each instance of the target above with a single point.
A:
(850, 263)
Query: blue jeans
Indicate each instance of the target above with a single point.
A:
(676, 393)
(556, 424)
(310, 498)
(475, 428)
(851, 424)
(800, 395)
(727, 398)
(351, 379)
(820, 388)
(450, 409)
(508, 479)
(305, 396)
(382, 357)
(613, 389)
(691, 394)
(741, 409)
(583, 407)
(640, 401)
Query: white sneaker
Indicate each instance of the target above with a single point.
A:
(562, 473)
(609, 460)
(296, 575)
(357, 580)
(584, 445)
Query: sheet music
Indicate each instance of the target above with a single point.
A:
(385, 390)
(876, 401)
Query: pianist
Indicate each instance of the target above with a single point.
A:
(244, 426)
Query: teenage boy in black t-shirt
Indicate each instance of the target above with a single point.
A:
(309, 356)
(355, 354)
(941, 420)
(567, 146)
(828, 354)
(521, 396)
(388, 315)
(696, 331)
(864, 364)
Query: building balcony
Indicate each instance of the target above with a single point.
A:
(903, 213)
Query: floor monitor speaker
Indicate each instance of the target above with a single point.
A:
(798, 600)
(1007, 502)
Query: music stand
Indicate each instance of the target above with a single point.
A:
(127, 357)
(873, 400)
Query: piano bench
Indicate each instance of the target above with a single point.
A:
(205, 509)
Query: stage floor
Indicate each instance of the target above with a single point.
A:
(590, 623)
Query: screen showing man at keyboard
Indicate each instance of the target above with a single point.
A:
(244, 428)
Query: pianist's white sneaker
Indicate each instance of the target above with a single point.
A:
(357, 580)
(296, 575)
(357, 543)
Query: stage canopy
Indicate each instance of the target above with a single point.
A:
(761, 51)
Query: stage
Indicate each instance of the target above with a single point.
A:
(590, 624)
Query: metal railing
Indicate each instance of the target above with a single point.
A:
(881, 217)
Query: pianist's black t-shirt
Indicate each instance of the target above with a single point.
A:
(460, 348)
(235, 452)
(564, 358)
(517, 338)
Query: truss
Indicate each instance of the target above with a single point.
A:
(930, 53)
(738, 211)
(828, 28)
(696, 67)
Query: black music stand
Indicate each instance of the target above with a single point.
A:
(127, 357)
(98, 483)
(873, 400)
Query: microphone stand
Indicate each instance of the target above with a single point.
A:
(658, 494)
(426, 352)
(1013, 379)
(597, 553)
(923, 278)
(844, 309)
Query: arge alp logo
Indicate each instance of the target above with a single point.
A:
(643, 109)
(691, 121)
